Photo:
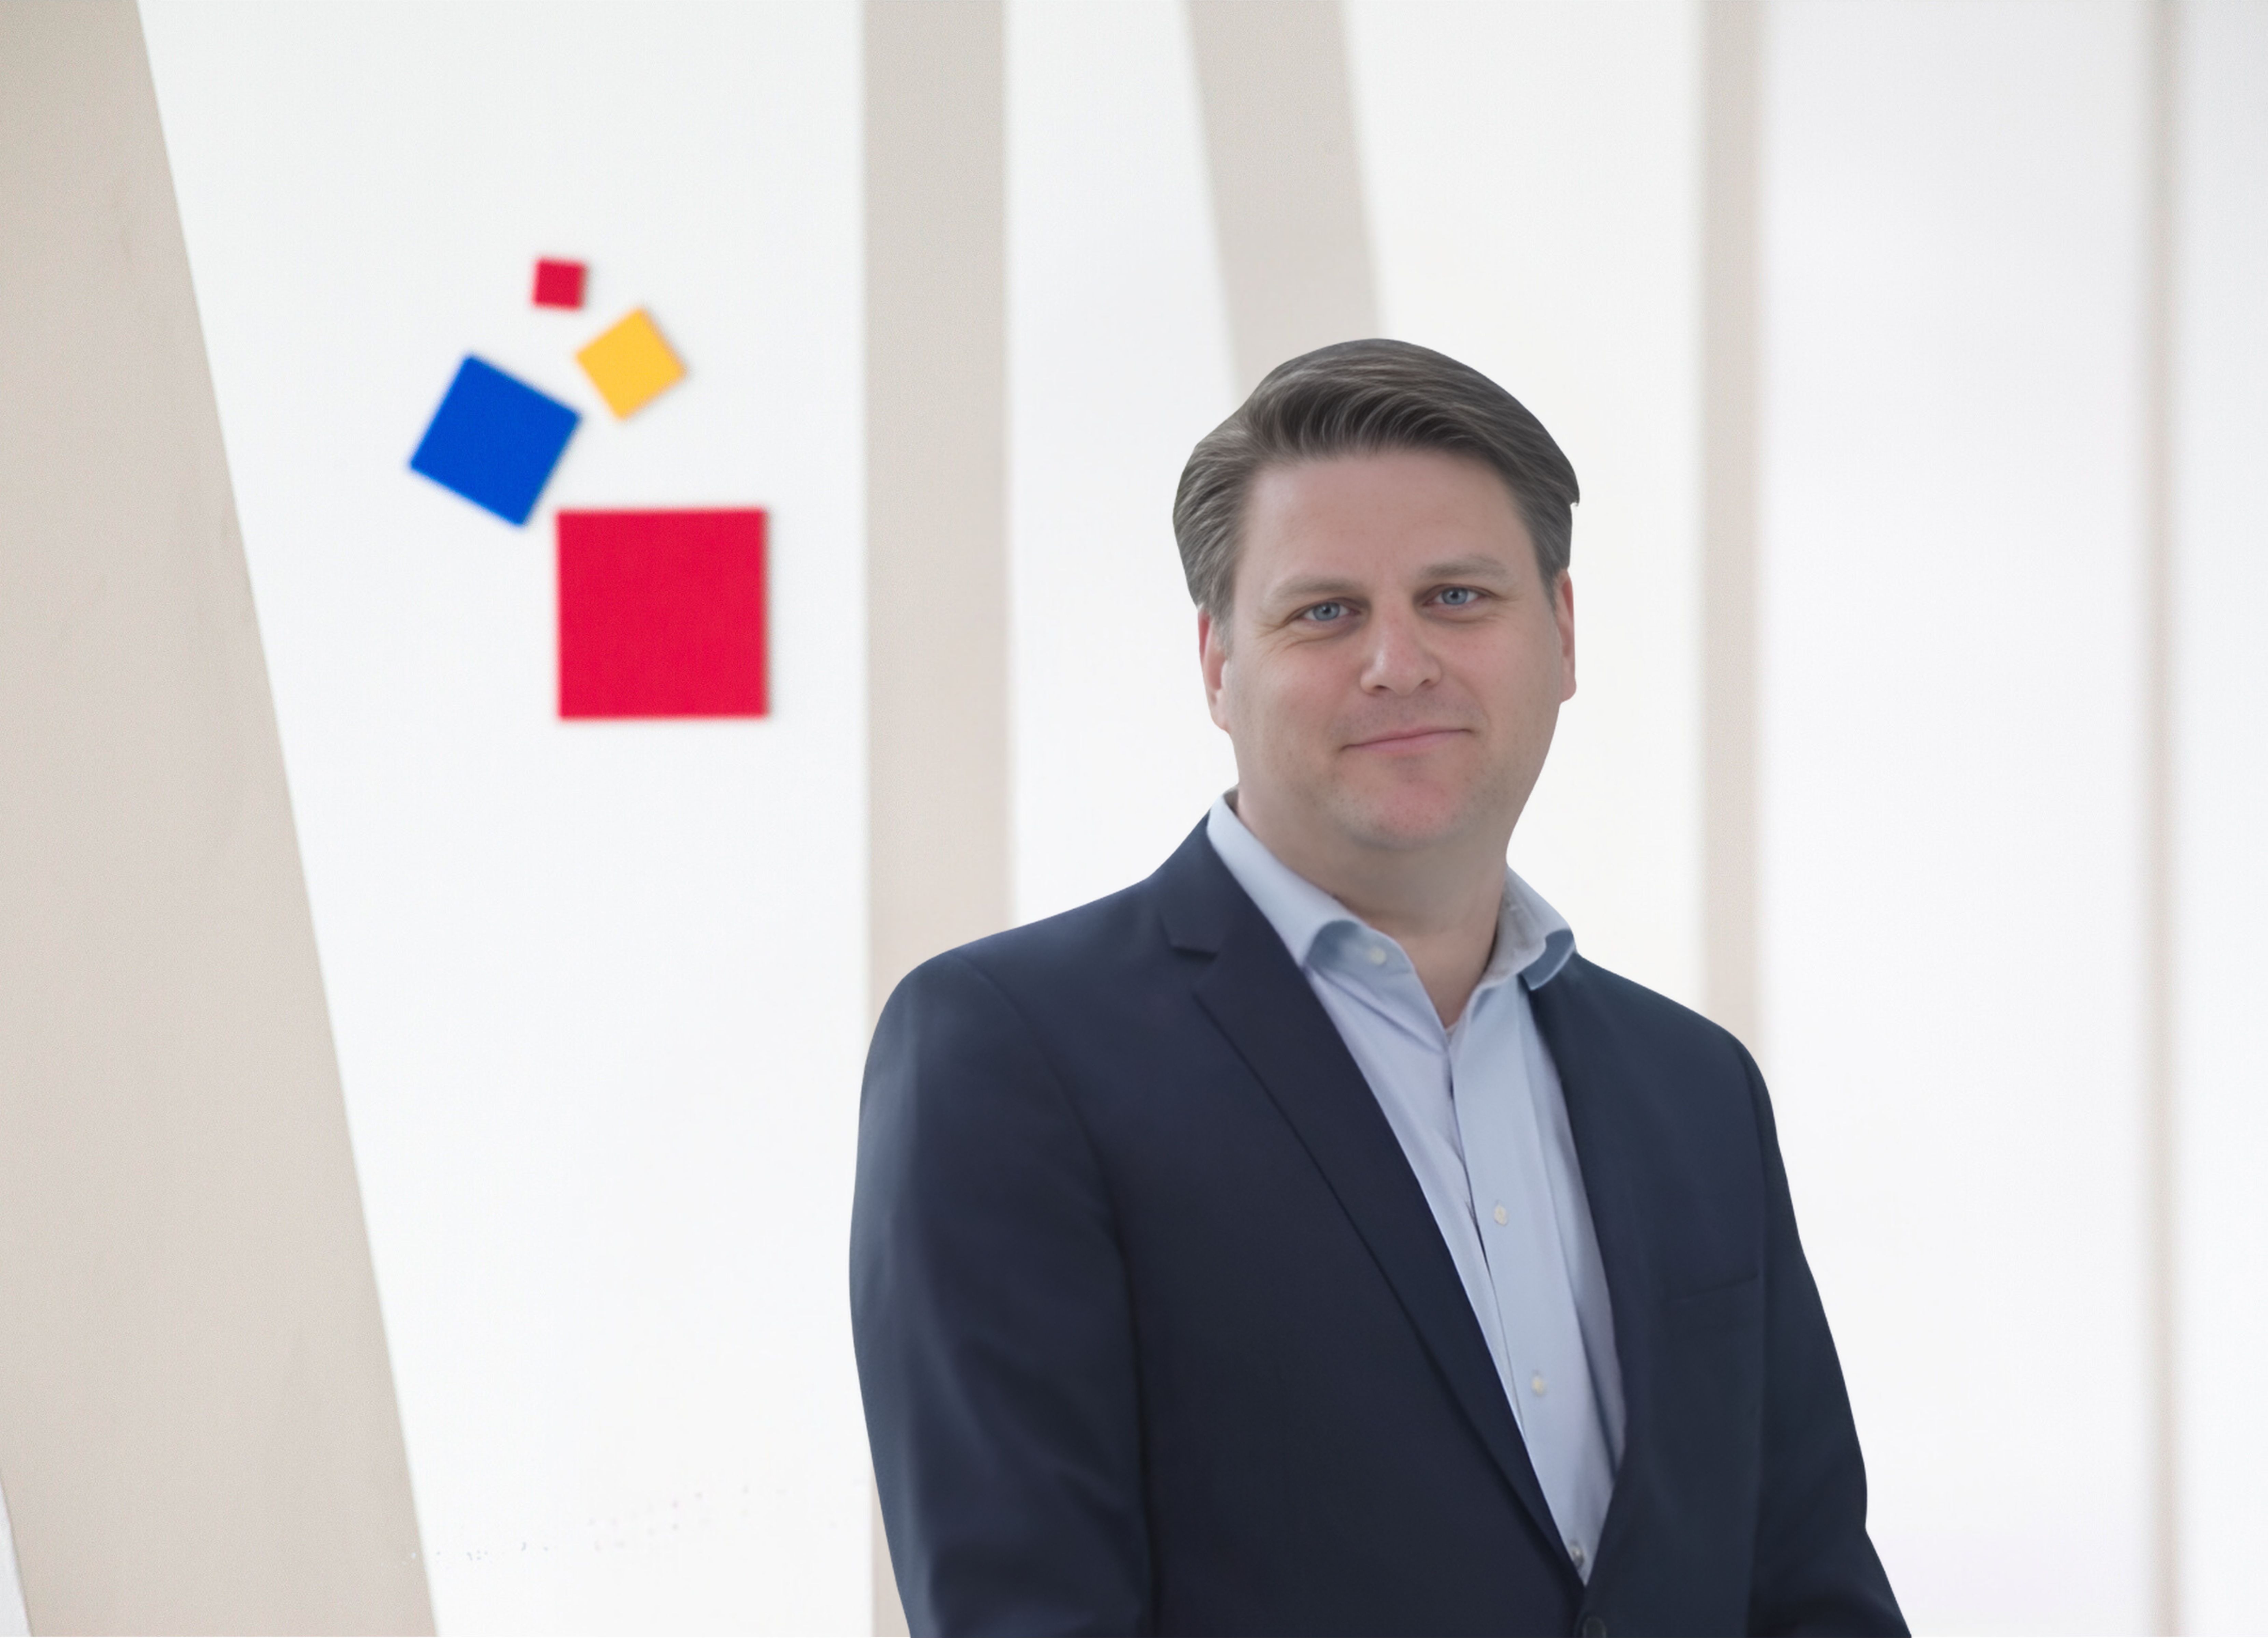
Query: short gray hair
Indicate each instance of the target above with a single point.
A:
(1367, 397)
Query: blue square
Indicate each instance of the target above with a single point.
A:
(494, 440)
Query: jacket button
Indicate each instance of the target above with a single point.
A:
(1593, 1628)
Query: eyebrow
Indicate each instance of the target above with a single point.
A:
(1468, 569)
(1311, 585)
(1455, 569)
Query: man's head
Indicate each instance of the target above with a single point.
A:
(1377, 543)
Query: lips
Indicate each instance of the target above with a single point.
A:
(1407, 740)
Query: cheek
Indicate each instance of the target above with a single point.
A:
(1522, 678)
(1545, 671)
(1283, 699)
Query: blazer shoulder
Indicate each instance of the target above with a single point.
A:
(1091, 947)
(1651, 1019)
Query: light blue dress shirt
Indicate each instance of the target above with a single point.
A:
(1479, 1110)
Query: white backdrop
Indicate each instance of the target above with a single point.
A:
(14, 1621)
(600, 989)
(1118, 359)
(1534, 182)
(2220, 684)
(1952, 771)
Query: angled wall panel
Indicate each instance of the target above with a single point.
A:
(1296, 258)
(197, 1427)
(600, 988)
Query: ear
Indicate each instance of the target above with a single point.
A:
(1563, 615)
(1213, 660)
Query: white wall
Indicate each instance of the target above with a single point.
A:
(1533, 184)
(599, 988)
(2221, 423)
(1952, 796)
(1119, 362)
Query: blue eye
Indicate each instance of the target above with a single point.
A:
(1459, 596)
(1323, 613)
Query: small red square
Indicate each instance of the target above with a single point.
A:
(661, 614)
(558, 284)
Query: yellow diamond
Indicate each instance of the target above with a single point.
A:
(630, 365)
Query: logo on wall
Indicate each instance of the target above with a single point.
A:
(661, 613)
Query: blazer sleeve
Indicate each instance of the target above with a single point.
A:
(1815, 1569)
(995, 1338)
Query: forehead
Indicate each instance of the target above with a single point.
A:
(1377, 517)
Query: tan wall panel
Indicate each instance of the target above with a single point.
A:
(197, 1423)
(937, 564)
(937, 498)
(1732, 63)
(1286, 179)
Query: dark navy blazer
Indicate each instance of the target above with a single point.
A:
(1156, 1335)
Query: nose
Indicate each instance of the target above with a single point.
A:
(1399, 660)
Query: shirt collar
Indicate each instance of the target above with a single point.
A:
(1532, 938)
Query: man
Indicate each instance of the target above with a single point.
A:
(1306, 1239)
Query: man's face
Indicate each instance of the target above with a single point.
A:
(1394, 664)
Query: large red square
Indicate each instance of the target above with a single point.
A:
(661, 614)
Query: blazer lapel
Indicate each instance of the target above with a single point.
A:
(1582, 1047)
(1263, 1005)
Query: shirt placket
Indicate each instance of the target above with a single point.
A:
(1550, 1379)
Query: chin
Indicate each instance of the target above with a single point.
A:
(1406, 821)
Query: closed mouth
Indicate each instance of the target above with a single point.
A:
(1407, 740)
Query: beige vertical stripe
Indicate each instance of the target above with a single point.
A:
(197, 1422)
(1286, 179)
(2161, 110)
(1732, 268)
(937, 486)
(937, 560)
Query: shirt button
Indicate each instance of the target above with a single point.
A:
(1378, 956)
(1500, 1214)
(1575, 1552)
(1535, 1385)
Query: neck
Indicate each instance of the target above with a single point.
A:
(1440, 902)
